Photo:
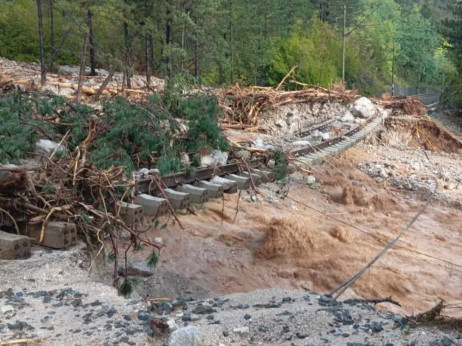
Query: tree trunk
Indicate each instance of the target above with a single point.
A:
(148, 59)
(168, 39)
(92, 46)
(182, 47)
(52, 36)
(127, 56)
(196, 60)
(82, 68)
(43, 70)
(105, 83)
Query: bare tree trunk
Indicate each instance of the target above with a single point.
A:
(148, 59)
(168, 39)
(105, 83)
(127, 56)
(52, 36)
(43, 70)
(92, 46)
(196, 60)
(182, 47)
(82, 68)
(151, 47)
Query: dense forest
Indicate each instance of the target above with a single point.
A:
(221, 42)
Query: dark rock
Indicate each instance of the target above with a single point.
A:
(284, 313)
(263, 329)
(345, 335)
(376, 327)
(302, 335)
(57, 305)
(285, 329)
(96, 303)
(143, 316)
(47, 299)
(446, 341)
(286, 299)
(19, 326)
(76, 302)
(247, 317)
(243, 306)
(127, 318)
(225, 334)
(271, 305)
(327, 301)
(111, 312)
(210, 317)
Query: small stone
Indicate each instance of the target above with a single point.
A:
(225, 334)
(187, 336)
(172, 326)
(271, 163)
(194, 317)
(301, 335)
(310, 180)
(376, 327)
(241, 330)
(6, 309)
(247, 317)
(111, 312)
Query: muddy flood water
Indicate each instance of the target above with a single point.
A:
(281, 243)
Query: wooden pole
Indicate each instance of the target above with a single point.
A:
(43, 70)
(82, 68)
(343, 47)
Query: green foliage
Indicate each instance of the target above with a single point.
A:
(17, 128)
(126, 288)
(152, 260)
(280, 167)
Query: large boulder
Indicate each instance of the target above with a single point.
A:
(187, 336)
(363, 108)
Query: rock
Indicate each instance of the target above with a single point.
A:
(348, 117)
(363, 108)
(187, 336)
(6, 308)
(136, 269)
(158, 240)
(271, 163)
(310, 180)
(47, 147)
(172, 326)
(184, 159)
(143, 172)
(360, 120)
(154, 171)
(243, 154)
(241, 330)
(207, 161)
(325, 136)
(301, 143)
(247, 317)
(220, 157)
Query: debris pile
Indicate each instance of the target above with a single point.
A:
(244, 105)
(403, 105)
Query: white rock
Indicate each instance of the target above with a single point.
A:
(6, 308)
(144, 171)
(241, 330)
(301, 143)
(221, 158)
(348, 117)
(46, 147)
(360, 120)
(158, 240)
(187, 336)
(207, 161)
(154, 171)
(363, 108)
(310, 180)
(325, 136)
(172, 324)
(184, 159)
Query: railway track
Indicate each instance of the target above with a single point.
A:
(234, 177)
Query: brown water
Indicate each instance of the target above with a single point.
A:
(286, 245)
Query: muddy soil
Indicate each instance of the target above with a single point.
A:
(269, 242)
